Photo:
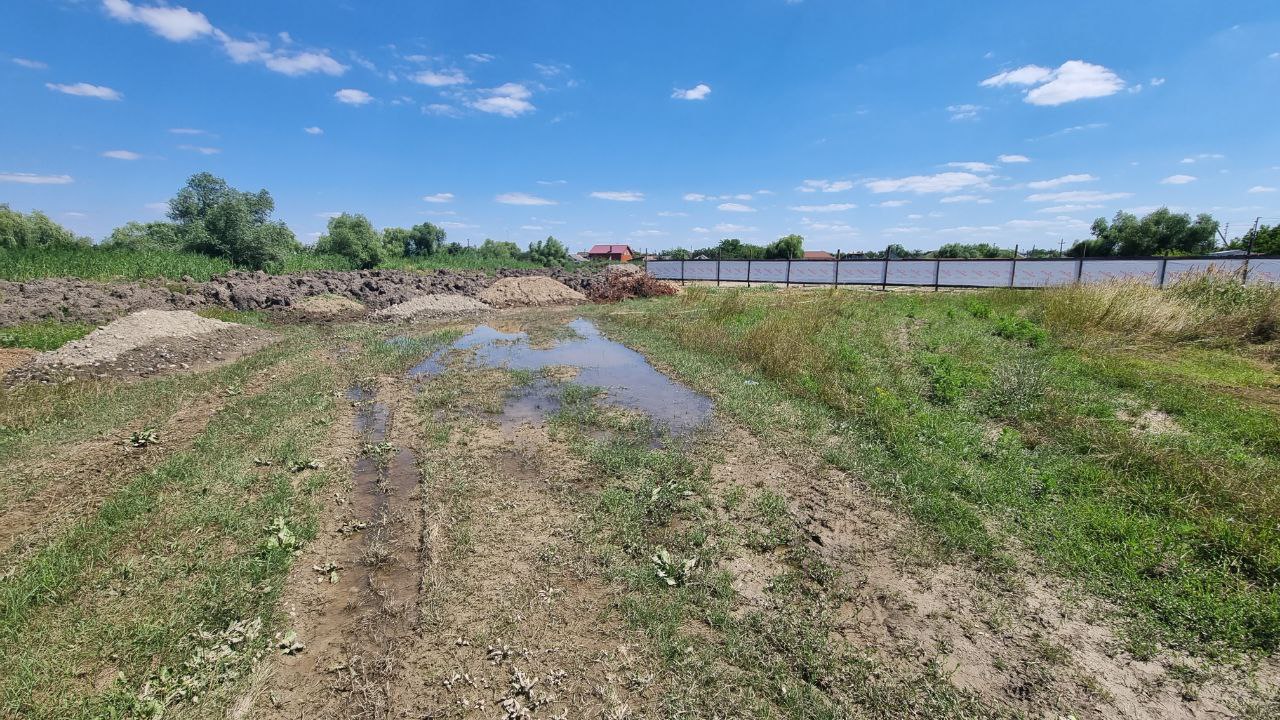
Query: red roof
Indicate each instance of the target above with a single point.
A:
(608, 249)
(818, 255)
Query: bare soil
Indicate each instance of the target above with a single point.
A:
(328, 307)
(433, 306)
(530, 292)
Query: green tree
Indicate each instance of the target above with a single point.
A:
(34, 229)
(1266, 240)
(216, 219)
(548, 252)
(790, 246)
(971, 250)
(353, 237)
(1159, 232)
(677, 254)
(425, 239)
(495, 249)
(144, 236)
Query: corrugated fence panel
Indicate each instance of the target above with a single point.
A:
(1198, 265)
(1041, 273)
(733, 270)
(975, 273)
(812, 271)
(664, 269)
(1104, 270)
(1264, 270)
(861, 272)
(769, 271)
(911, 272)
(700, 270)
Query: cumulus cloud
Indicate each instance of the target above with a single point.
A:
(1009, 159)
(519, 198)
(1070, 81)
(697, 92)
(30, 64)
(351, 96)
(972, 166)
(618, 195)
(1178, 180)
(1059, 181)
(507, 100)
(83, 89)
(313, 130)
(946, 182)
(1077, 196)
(121, 155)
(33, 179)
(964, 112)
(171, 23)
(438, 198)
(825, 186)
(735, 207)
(829, 207)
(442, 78)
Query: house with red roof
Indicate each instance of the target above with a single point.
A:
(611, 252)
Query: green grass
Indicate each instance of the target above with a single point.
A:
(46, 335)
(95, 263)
(985, 428)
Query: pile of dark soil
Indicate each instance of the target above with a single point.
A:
(76, 300)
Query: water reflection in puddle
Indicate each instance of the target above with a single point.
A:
(628, 380)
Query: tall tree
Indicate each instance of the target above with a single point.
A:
(353, 237)
(216, 219)
(548, 252)
(789, 246)
(34, 229)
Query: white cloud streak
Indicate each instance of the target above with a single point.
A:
(519, 198)
(697, 92)
(618, 195)
(83, 89)
(33, 179)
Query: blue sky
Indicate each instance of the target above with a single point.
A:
(855, 124)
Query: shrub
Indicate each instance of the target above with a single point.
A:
(1014, 327)
(624, 287)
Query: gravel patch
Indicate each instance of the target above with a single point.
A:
(433, 306)
(131, 332)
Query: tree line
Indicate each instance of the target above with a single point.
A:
(210, 217)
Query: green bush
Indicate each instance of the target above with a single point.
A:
(1022, 329)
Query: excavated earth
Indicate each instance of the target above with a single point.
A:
(76, 300)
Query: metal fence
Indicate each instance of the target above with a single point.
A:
(945, 272)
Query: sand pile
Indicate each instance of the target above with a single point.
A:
(328, 307)
(529, 291)
(426, 306)
(130, 332)
(622, 269)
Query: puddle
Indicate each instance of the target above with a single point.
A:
(628, 380)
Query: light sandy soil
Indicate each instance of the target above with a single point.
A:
(529, 292)
(430, 306)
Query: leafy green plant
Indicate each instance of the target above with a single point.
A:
(672, 570)
(1020, 329)
(144, 437)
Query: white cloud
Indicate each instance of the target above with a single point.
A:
(454, 225)
(479, 57)
(441, 109)
(697, 92)
(438, 198)
(351, 96)
(735, 207)
(966, 199)
(972, 166)
(825, 185)
(946, 182)
(313, 130)
(1261, 189)
(730, 227)
(171, 23)
(1201, 156)
(303, 63)
(1007, 159)
(532, 227)
(1157, 81)
(121, 155)
(33, 179)
(30, 64)
(86, 90)
(830, 207)
(440, 79)
(201, 149)
(1077, 196)
(552, 182)
(519, 198)
(187, 131)
(618, 195)
(1060, 181)
(701, 230)
(893, 203)
(1025, 75)
(550, 69)
(1178, 180)
(1072, 80)
(695, 197)
(648, 233)
(964, 112)
(331, 214)
(1068, 208)
(837, 228)
(669, 213)
(507, 100)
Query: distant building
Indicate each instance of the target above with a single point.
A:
(611, 252)
(818, 255)
(579, 257)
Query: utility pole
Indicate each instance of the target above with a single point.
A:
(1253, 234)
(1061, 244)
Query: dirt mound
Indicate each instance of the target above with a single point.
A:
(530, 291)
(76, 300)
(622, 269)
(427, 306)
(129, 332)
(11, 358)
(328, 307)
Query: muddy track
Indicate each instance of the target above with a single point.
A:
(75, 479)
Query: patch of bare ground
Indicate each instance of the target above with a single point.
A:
(1038, 648)
(73, 480)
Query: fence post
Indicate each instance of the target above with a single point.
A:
(787, 282)
(835, 270)
(1244, 275)
(748, 272)
(682, 262)
(719, 257)
(937, 271)
(1013, 269)
(1164, 264)
(884, 275)
(1079, 268)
